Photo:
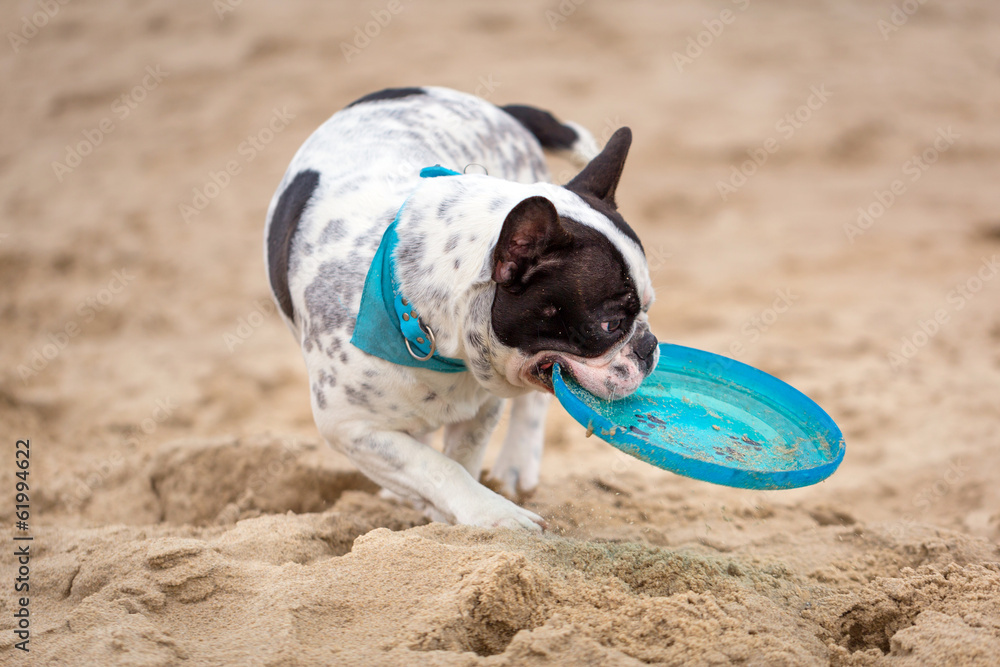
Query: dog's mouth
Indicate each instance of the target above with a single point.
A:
(541, 372)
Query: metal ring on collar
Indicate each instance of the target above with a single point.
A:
(430, 335)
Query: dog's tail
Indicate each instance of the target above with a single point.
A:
(570, 139)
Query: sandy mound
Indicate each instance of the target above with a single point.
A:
(331, 587)
(365, 582)
(815, 187)
(237, 479)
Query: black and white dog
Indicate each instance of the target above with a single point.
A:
(422, 303)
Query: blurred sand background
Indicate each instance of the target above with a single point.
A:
(184, 508)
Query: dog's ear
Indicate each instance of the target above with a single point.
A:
(600, 177)
(531, 230)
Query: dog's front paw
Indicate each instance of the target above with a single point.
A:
(493, 511)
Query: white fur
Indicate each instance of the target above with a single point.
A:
(378, 413)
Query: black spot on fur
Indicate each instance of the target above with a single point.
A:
(357, 397)
(410, 256)
(370, 389)
(451, 243)
(327, 378)
(284, 222)
(480, 351)
(482, 368)
(334, 231)
(546, 128)
(387, 94)
(320, 397)
(371, 238)
(387, 451)
(329, 300)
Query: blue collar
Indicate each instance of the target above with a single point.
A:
(387, 326)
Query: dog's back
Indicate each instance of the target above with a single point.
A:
(370, 155)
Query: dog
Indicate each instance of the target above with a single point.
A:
(430, 270)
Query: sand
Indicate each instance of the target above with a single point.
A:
(183, 507)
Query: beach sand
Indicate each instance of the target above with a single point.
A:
(816, 189)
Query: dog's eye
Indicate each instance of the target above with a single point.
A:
(611, 326)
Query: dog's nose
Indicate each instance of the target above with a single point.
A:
(646, 346)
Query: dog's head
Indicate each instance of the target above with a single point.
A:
(572, 286)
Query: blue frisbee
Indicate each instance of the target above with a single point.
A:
(712, 418)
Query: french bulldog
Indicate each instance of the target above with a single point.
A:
(424, 298)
